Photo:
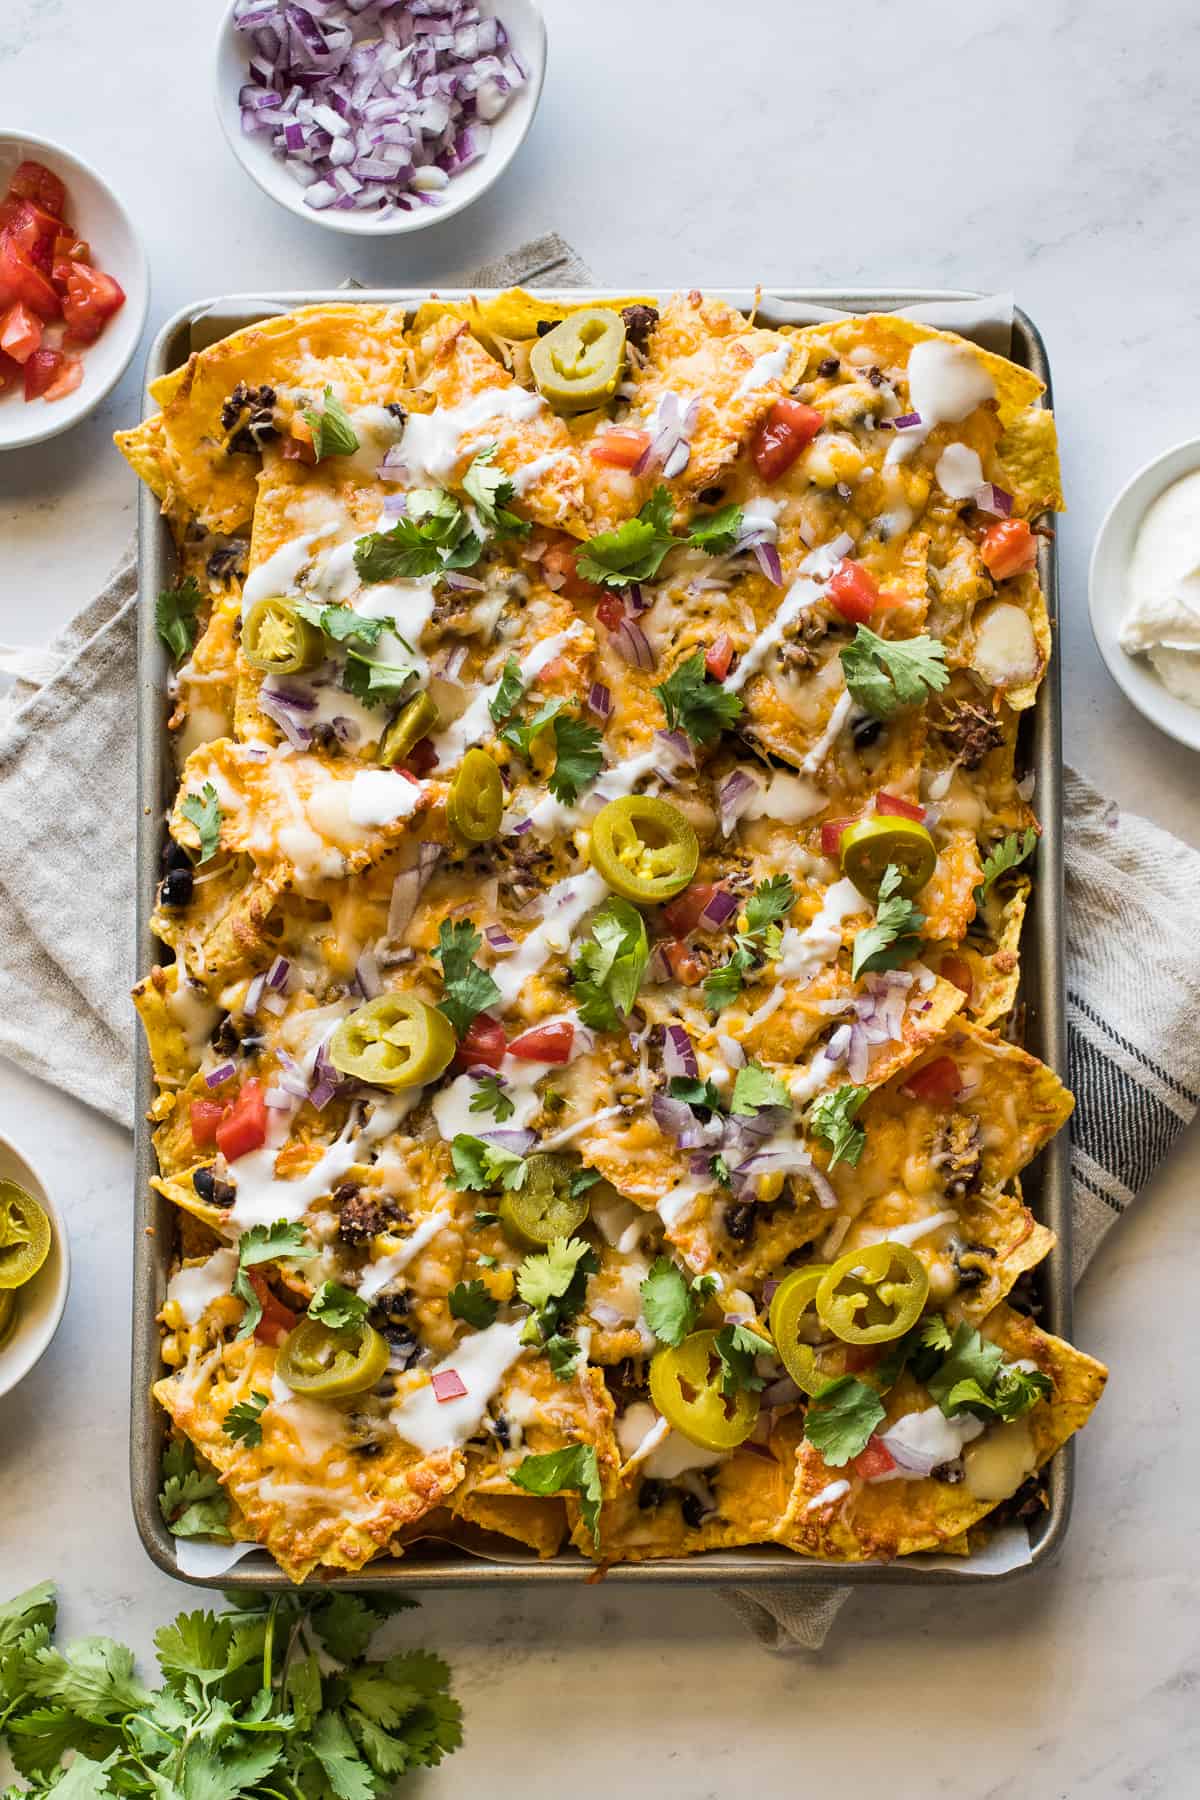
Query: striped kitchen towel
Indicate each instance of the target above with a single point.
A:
(1133, 997)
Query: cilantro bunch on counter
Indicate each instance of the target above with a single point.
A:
(274, 1699)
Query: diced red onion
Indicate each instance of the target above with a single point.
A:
(658, 969)
(769, 1290)
(719, 909)
(253, 996)
(992, 499)
(767, 557)
(499, 939)
(599, 700)
(519, 1142)
(633, 646)
(679, 1056)
(678, 1121)
(678, 745)
(369, 979)
(670, 447)
(734, 796)
(464, 584)
(278, 1098)
(287, 705)
(447, 1384)
(221, 1073)
(905, 422)
(521, 827)
(278, 973)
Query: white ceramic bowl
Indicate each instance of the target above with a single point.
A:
(98, 216)
(527, 32)
(1109, 601)
(40, 1302)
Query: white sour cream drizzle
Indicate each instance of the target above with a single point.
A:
(194, 1290)
(377, 1275)
(803, 954)
(481, 1362)
(432, 444)
(804, 591)
(647, 1439)
(824, 744)
(911, 1233)
(770, 366)
(959, 471)
(379, 797)
(828, 1495)
(946, 382)
(262, 1198)
(564, 908)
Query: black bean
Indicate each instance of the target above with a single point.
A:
(174, 856)
(211, 1188)
(650, 1494)
(177, 888)
(693, 1511)
(225, 1039)
(739, 1220)
(396, 410)
(502, 1432)
(545, 326)
(866, 732)
(711, 496)
(829, 367)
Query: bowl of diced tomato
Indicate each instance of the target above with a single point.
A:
(74, 289)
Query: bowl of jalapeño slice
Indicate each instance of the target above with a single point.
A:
(35, 1267)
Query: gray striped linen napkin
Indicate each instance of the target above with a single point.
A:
(66, 956)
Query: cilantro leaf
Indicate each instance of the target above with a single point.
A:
(832, 1120)
(893, 938)
(479, 1165)
(204, 811)
(692, 703)
(243, 1422)
(175, 616)
(582, 1180)
(841, 1418)
(971, 1357)
(636, 550)
(265, 1243)
(885, 674)
(694, 1092)
(433, 536)
(509, 694)
(469, 990)
(737, 1348)
(490, 1097)
(717, 532)
(935, 1333)
(342, 623)
(755, 1088)
(573, 1469)
(375, 683)
(491, 490)
(771, 900)
(671, 1303)
(333, 434)
(337, 1307)
(1005, 855)
(192, 1501)
(578, 758)
(563, 1354)
(549, 1275)
(723, 986)
(471, 1302)
(608, 967)
(520, 737)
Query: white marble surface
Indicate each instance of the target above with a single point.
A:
(1049, 146)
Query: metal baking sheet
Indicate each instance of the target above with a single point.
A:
(1046, 1181)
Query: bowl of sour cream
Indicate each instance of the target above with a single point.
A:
(1144, 592)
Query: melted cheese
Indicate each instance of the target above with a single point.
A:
(481, 1362)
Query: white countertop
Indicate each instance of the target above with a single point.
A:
(681, 142)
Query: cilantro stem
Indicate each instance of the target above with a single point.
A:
(269, 1647)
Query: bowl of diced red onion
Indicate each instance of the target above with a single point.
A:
(378, 117)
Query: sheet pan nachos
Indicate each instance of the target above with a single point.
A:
(586, 1034)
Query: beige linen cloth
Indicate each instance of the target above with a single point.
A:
(67, 812)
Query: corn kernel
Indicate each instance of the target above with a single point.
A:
(769, 1187)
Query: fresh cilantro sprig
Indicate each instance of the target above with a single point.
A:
(578, 757)
(434, 536)
(554, 1285)
(192, 1501)
(373, 682)
(893, 938)
(832, 1120)
(737, 1347)
(243, 1422)
(471, 1302)
(609, 965)
(491, 490)
(204, 811)
(717, 532)
(175, 616)
(337, 1307)
(468, 989)
(755, 1088)
(840, 1419)
(490, 1097)
(671, 1303)
(273, 1698)
(479, 1166)
(509, 693)
(963, 1371)
(574, 1469)
(771, 901)
(333, 434)
(1007, 854)
(263, 1244)
(886, 674)
(694, 704)
(636, 550)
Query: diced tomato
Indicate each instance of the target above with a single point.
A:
(545, 1043)
(11, 373)
(853, 590)
(874, 1461)
(91, 299)
(610, 610)
(483, 1042)
(421, 758)
(41, 372)
(955, 970)
(683, 913)
(34, 181)
(558, 561)
(685, 966)
(831, 836)
(719, 656)
(297, 445)
(20, 280)
(244, 1126)
(67, 249)
(20, 332)
(891, 805)
(67, 379)
(783, 434)
(33, 231)
(206, 1116)
(277, 1319)
(938, 1081)
(1009, 548)
(619, 448)
(558, 665)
